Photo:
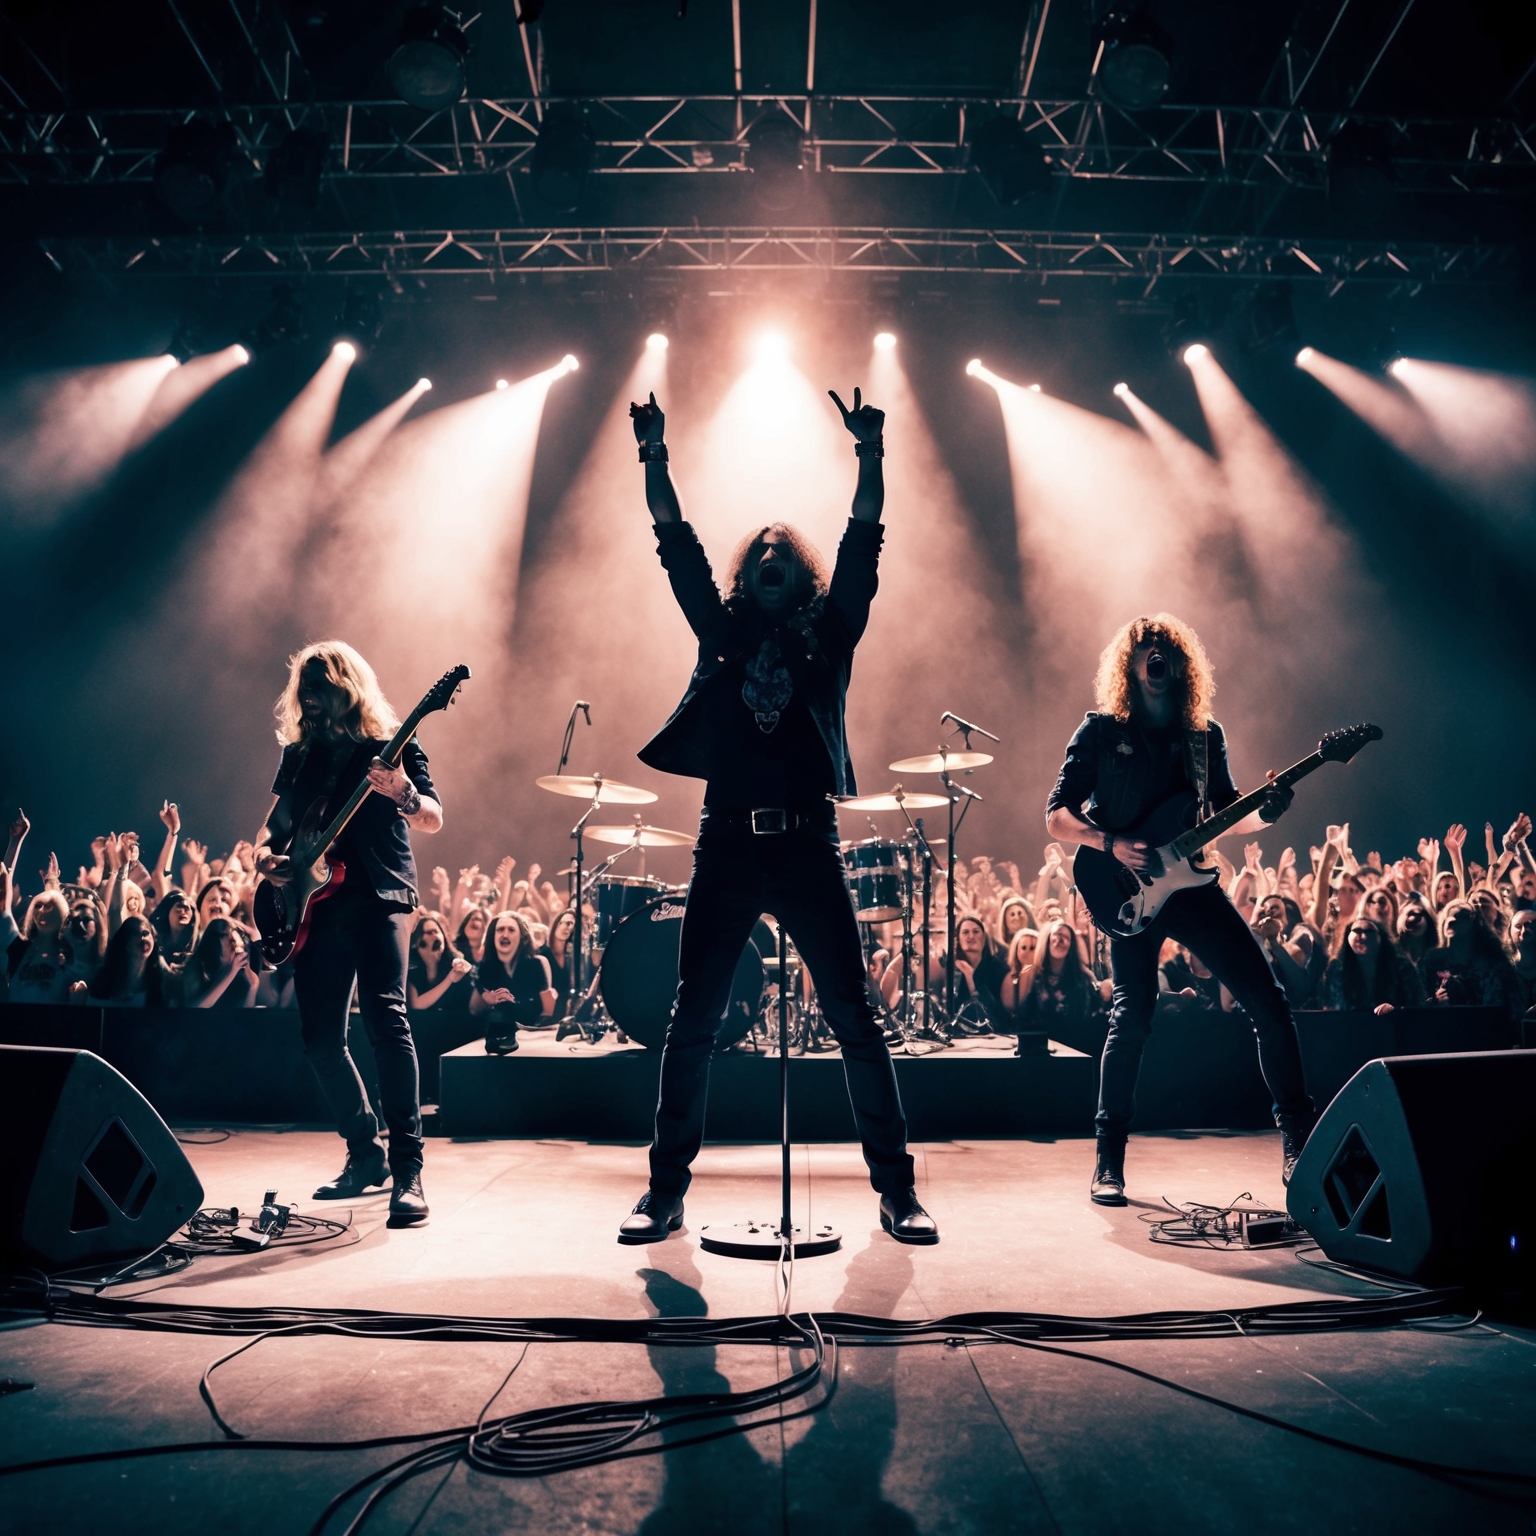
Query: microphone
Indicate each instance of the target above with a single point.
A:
(949, 717)
(585, 708)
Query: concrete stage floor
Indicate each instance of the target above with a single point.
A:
(928, 1438)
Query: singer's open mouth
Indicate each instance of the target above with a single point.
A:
(771, 575)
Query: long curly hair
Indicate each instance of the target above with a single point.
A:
(1115, 685)
(368, 716)
(810, 570)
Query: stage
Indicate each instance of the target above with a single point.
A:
(931, 1438)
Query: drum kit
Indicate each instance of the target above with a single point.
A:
(629, 925)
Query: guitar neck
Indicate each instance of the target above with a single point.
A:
(390, 754)
(1223, 821)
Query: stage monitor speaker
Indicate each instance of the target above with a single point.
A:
(1421, 1167)
(92, 1173)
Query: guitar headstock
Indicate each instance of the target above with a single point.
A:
(1340, 746)
(440, 694)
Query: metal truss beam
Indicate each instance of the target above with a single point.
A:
(496, 256)
(1086, 138)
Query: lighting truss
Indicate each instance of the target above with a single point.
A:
(1086, 137)
(1138, 262)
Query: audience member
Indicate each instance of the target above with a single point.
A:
(1369, 974)
(512, 986)
(437, 976)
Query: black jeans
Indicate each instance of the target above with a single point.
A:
(1207, 923)
(799, 877)
(357, 937)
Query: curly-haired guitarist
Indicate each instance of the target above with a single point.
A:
(1153, 739)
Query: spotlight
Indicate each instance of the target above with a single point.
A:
(427, 69)
(1034, 389)
(775, 157)
(423, 385)
(362, 317)
(772, 347)
(194, 168)
(1122, 390)
(561, 158)
(973, 367)
(345, 351)
(242, 357)
(568, 363)
(1196, 352)
(1133, 68)
(295, 166)
(283, 321)
(656, 342)
(501, 383)
(1304, 357)
(1010, 163)
(1399, 367)
(171, 359)
(885, 342)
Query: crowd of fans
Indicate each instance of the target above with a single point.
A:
(1341, 933)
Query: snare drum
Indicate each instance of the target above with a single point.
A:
(874, 879)
(615, 896)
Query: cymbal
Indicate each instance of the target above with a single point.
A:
(940, 762)
(644, 837)
(892, 800)
(586, 786)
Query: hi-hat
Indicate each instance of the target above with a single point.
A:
(589, 786)
(892, 800)
(641, 837)
(941, 762)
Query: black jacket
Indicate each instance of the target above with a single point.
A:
(818, 654)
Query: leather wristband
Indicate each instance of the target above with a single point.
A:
(875, 448)
(653, 453)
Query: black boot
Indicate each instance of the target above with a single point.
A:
(363, 1171)
(904, 1218)
(501, 1044)
(1108, 1187)
(653, 1219)
(407, 1204)
(1294, 1131)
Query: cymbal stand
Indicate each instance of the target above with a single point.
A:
(911, 1028)
(955, 792)
(578, 938)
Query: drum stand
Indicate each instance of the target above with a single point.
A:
(763, 1239)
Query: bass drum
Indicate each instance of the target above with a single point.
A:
(638, 976)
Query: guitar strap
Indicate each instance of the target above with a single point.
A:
(1197, 749)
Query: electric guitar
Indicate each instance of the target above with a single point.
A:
(283, 912)
(1124, 901)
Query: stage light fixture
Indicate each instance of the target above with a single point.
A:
(885, 342)
(1193, 354)
(772, 347)
(569, 363)
(1010, 163)
(242, 356)
(1122, 390)
(501, 383)
(973, 367)
(295, 166)
(656, 342)
(1034, 389)
(195, 166)
(345, 351)
(427, 69)
(776, 157)
(1304, 357)
(423, 384)
(561, 159)
(1398, 367)
(283, 321)
(1133, 63)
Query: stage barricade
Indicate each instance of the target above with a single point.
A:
(246, 1066)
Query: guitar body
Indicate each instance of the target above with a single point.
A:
(1124, 901)
(283, 912)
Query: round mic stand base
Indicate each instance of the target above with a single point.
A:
(764, 1240)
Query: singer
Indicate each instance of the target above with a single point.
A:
(762, 723)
